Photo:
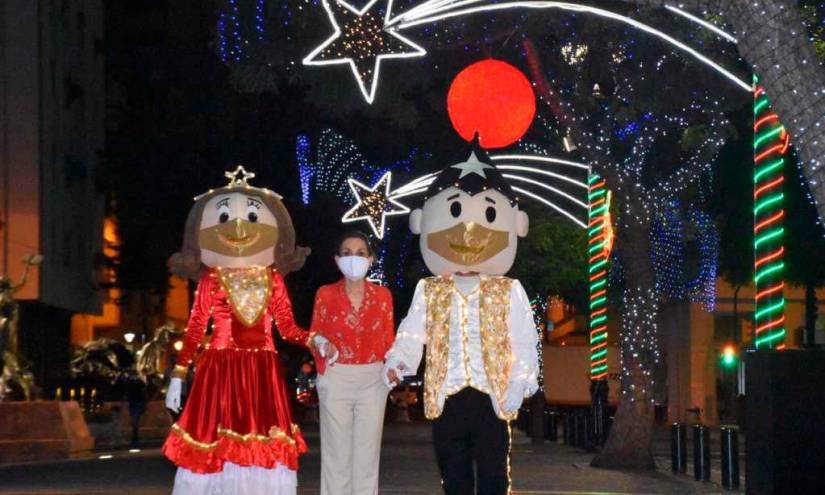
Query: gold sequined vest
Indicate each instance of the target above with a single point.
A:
(494, 308)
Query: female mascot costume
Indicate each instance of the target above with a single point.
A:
(235, 434)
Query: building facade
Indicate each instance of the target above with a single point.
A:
(52, 106)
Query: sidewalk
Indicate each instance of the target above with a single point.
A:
(407, 467)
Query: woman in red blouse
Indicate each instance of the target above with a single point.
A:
(356, 317)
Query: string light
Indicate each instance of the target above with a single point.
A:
(373, 204)
(668, 239)
(539, 307)
(599, 247)
(440, 11)
(362, 40)
(433, 11)
(305, 167)
(770, 145)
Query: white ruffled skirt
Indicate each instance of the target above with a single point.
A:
(235, 479)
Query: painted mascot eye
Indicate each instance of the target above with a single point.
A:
(252, 216)
(455, 209)
(491, 214)
(224, 217)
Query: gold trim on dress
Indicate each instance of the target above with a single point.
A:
(275, 434)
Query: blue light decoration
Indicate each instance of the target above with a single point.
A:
(702, 289)
(669, 233)
(260, 26)
(305, 168)
(325, 169)
(229, 32)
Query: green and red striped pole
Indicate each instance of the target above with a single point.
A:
(598, 254)
(770, 145)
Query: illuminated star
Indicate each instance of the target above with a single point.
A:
(362, 41)
(239, 177)
(373, 204)
(472, 166)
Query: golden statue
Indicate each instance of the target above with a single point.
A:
(16, 383)
(151, 359)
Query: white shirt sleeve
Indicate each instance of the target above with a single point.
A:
(412, 334)
(523, 340)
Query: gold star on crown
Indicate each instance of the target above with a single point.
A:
(239, 177)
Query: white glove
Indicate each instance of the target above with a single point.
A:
(396, 366)
(173, 394)
(326, 348)
(513, 398)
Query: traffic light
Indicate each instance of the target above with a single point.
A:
(729, 356)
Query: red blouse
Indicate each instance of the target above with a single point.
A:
(212, 299)
(362, 336)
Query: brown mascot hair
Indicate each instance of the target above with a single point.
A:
(186, 263)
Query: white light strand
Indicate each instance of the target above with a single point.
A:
(545, 186)
(408, 193)
(545, 172)
(551, 205)
(583, 9)
(545, 159)
(703, 23)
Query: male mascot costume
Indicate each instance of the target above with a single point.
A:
(235, 435)
(477, 325)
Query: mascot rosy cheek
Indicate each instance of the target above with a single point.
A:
(235, 434)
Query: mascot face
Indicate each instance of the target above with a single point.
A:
(237, 230)
(469, 224)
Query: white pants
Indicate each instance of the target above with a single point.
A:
(353, 399)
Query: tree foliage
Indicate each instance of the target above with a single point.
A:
(552, 260)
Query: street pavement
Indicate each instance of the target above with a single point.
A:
(407, 467)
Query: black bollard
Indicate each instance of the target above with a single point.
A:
(568, 428)
(528, 424)
(598, 411)
(730, 457)
(551, 420)
(701, 452)
(580, 429)
(678, 448)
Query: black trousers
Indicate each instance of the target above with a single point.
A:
(469, 433)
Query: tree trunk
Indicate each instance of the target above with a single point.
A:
(774, 41)
(629, 444)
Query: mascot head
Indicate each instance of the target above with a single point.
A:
(238, 226)
(470, 220)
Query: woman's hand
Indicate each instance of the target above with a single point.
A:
(326, 349)
(393, 372)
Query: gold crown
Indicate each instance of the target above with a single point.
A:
(239, 178)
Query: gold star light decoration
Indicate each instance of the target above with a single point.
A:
(373, 204)
(362, 40)
(239, 177)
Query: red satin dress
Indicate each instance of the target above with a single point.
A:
(237, 410)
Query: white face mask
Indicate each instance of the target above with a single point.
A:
(353, 267)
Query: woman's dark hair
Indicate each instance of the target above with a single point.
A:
(354, 234)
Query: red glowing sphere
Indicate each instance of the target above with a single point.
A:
(494, 99)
